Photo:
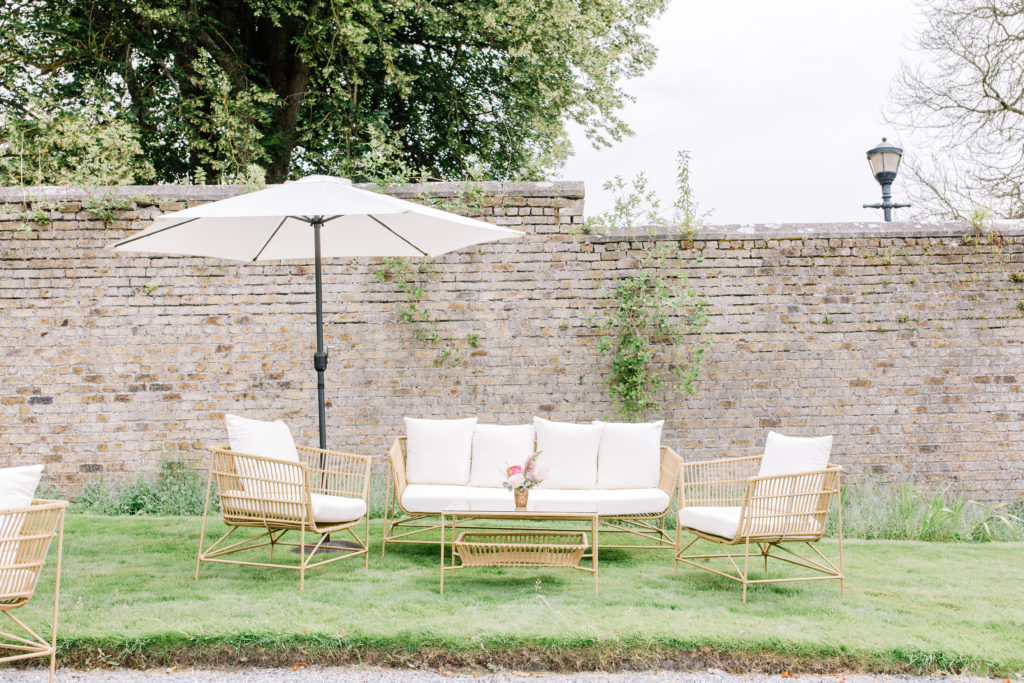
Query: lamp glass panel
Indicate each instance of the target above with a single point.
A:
(884, 161)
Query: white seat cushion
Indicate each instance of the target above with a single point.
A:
(495, 447)
(326, 509)
(438, 451)
(425, 498)
(332, 509)
(569, 453)
(629, 456)
(716, 521)
(612, 502)
(792, 454)
(433, 498)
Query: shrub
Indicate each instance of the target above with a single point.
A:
(177, 490)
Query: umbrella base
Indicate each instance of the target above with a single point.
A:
(329, 546)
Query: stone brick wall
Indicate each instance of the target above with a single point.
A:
(904, 340)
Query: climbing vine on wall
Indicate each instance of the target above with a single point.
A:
(657, 332)
(403, 274)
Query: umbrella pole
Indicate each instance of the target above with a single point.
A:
(320, 357)
(320, 364)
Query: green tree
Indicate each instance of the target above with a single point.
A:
(212, 87)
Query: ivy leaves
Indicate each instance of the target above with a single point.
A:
(657, 321)
(656, 317)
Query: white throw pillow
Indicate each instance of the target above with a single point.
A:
(17, 489)
(495, 447)
(792, 454)
(262, 438)
(569, 452)
(266, 440)
(438, 451)
(18, 485)
(629, 456)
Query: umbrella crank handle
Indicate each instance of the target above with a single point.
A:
(320, 361)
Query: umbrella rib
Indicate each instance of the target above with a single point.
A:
(258, 253)
(378, 222)
(155, 232)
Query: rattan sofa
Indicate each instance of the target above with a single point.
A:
(635, 517)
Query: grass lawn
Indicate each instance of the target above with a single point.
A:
(128, 598)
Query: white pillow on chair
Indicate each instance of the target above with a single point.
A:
(629, 456)
(266, 440)
(793, 454)
(438, 451)
(18, 485)
(262, 438)
(569, 452)
(17, 489)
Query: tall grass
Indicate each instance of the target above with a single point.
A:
(909, 512)
(871, 509)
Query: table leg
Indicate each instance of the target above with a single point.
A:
(594, 522)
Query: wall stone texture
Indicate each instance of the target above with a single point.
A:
(904, 340)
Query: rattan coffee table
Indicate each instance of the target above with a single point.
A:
(528, 546)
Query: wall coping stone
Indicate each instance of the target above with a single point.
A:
(796, 231)
(50, 193)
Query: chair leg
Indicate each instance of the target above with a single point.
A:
(746, 568)
(842, 568)
(56, 596)
(366, 542)
(675, 563)
(302, 558)
(387, 505)
(202, 529)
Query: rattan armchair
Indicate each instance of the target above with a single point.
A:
(724, 502)
(326, 492)
(25, 535)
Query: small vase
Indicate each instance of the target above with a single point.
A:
(521, 496)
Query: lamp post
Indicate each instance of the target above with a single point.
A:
(885, 161)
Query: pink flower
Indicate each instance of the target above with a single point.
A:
(516, 480)
(514, 469)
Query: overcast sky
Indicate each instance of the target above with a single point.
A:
(778, 102)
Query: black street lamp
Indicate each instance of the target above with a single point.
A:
(885, 161)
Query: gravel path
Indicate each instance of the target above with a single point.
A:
(354, 675)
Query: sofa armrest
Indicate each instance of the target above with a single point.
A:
(669, 478)
(716, 482)
(396, 461)
(342, 474)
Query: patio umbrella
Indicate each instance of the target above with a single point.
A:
(313, 218)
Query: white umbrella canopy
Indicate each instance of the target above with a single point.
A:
(317, 216)
(274, 225)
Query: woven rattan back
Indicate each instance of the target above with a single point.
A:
(336, 474)
(261, 491)
(716, 482)
(25, 535)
